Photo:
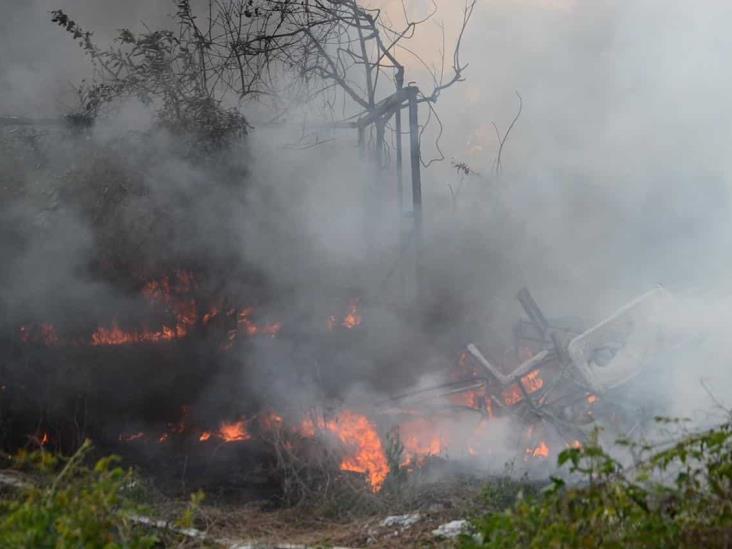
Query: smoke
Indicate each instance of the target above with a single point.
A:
(614, 179)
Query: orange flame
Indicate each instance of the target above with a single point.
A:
(532, 382)
(421, 439)
(158, 292)
(233, 432)
(247, 326)
(353, 317)
(365, 452)
(541, 451)
(171, 293)
(209, 316)
(350, 320)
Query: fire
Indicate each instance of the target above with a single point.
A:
(234, 432)
(170, 294)
(158, 292)
(541, 451)
(116, 336)
(251, 329)
(365, 452)
(353, 317)
(421, 439)
(350, 320)
(204, 436)
(591, 399)
(209, 316)
(531, 382)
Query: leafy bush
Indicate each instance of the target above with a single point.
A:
(73, 506)
(679, 496)
(164, 70)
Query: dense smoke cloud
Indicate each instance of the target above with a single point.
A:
(615, 178)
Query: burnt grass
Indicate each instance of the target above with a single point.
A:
(351, 517)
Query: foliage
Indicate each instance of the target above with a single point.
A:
(164, 70)
(679, 496)
(76, 506)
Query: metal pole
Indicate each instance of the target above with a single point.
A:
(415, 159)
(399, 170)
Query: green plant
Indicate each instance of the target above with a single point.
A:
(164, 70)
(73, 505)
(678, 496)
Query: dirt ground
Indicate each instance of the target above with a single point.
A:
(339, 524)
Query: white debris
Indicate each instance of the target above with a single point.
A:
(452, 529)
(403, 521)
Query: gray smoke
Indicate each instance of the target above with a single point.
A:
(615, 179)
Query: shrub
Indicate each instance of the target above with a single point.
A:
(679, 496)
(72, 506)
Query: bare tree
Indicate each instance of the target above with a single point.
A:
(288, 52)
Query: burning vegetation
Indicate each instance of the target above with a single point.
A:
(175, 310)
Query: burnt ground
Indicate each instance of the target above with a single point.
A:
(340, 523)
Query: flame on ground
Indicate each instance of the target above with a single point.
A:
(421, 440)
(353, 317)
(350, 320)
(247, 326)
(364, 450)
(171, 294)
(233, 432)
(541, 451)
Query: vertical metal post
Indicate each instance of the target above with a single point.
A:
(399, 170)
(415, 159)
(399, 80)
